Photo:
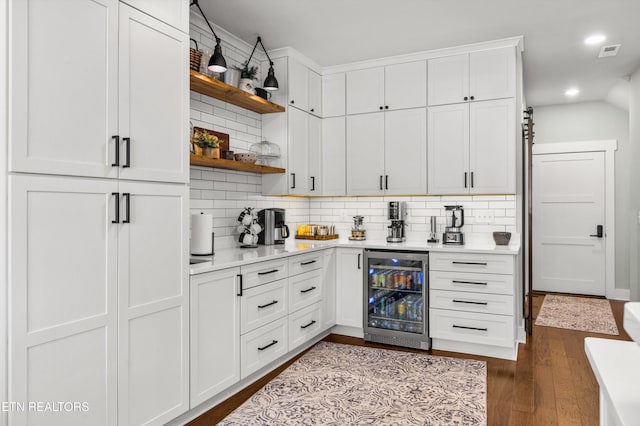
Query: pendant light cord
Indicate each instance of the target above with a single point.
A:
(205, 19)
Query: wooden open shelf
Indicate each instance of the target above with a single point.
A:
(198, 160)
(217, 89)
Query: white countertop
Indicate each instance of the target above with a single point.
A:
(236, 256)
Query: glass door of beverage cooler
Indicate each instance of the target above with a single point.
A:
(396, 298)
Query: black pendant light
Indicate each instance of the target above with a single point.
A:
(270, 83)
(217, 62)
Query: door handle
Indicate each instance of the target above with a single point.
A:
(116, 163)
(313, 183)
(465, 179)
(127, 207)
(359, 255)
(127, 152)
(381, 187)
(599, 232)
(386, 181)
(240, 289)
(293, 184)
(117, 207)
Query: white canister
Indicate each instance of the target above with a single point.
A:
(202, 234)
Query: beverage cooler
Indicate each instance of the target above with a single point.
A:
(396, 298)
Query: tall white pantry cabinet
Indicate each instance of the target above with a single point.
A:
(98, 216)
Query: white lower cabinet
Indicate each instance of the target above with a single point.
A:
(329, 296)
(305, 289)
(263, 304)
(349, 287)
(305, 324)
(263, 345)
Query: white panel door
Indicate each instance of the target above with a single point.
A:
(215, 333)
(349, 291)
(448, 149)
(63, 257)
(298, 85)
(405, 85)
(329, 287)
(334, 153)
(64, 87)
(298, 148)
(153, 299)
(492, 74)
(315, 93)
(315, 155)
(365, 90)
(154, 99)
(568, 206)
(448, 79)
(172, 12)
(333, 95)
(406, 151)
(365, 154)
(492, 147)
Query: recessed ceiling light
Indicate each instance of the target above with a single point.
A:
(572, 92)
(595, 39)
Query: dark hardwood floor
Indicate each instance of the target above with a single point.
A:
(551, 383)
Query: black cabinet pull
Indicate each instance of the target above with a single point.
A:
(465, 179)
(359, 255)
(270, 344)
(309, 262)
(468, 282)
(239, 285)
(469, 263)
(127, 163)
(472, 179)
(313, 183)
(472, 97)
(267, 305)
(470, 302)
(308, 290)
(127, 199)
(292, 102)
(293, 176)
(469, 328)
(308, 325)
(117, 161)
(386, 181)
(117, 203)
(312, 109)
(268, 272)
(599, 232)
(466, 98)
(386, 107)
(381, 108)
(381, 188)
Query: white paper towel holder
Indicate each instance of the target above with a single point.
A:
(213, 252)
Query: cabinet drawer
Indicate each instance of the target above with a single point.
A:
(264, 272)
(262, 304)
(305, 289)
(305, 262)
(263, 345)
(499, 304)
(485, 329)
(305, 324)
(476, 283)
(471, 262)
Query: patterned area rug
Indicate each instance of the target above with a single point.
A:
(336, 384)
(577, 313)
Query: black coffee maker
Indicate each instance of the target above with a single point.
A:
(274, 230)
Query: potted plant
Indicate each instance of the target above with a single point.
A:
(208, 143)
(247, 76)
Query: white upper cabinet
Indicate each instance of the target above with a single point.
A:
(365, 90)
(298, 152)
(405, 159)
(315, 156)
(333, 156)
(365, 154)
(333, 95)
(476, 76)
(298, 85)
(315, 93)
(172, 12)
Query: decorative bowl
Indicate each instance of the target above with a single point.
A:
(502, 238)
(246, 157)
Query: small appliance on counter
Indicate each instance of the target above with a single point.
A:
(433, 234)
(455, 221)
(358, 233)
(201, 242)
(274, 229)
(397, 214)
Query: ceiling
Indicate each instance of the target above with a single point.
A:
(333, 32)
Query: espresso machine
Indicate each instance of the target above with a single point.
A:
(274, 230)
(455, 220)
(397, 214)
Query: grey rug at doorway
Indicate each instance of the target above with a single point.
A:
(577, 313)
(337, 384)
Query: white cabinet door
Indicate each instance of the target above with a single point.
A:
(63, 289)
(492, 74)
(154, 99)
(315, 93)
(492, 153)
(334, 153)
(64, 87)
(365, 154)
(365, 90)
(406, 151)
(215, 333)
(448, 149)
(405, 85)
(315, 155)
(298, 148)
(333, 95)
(153, 300)
(172, 12)
(298, 85)
(448, 80)
(329, 288)
(349, 284)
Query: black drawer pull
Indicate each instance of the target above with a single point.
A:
(469, 263)
(268, 346)
(468, 282)
(470, 302)
(469, 328)
(267, 305)
(308, 290)
(307, 263)
(308, 325)
(268, 272)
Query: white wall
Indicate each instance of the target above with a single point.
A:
(587, 121)
(634, 189)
